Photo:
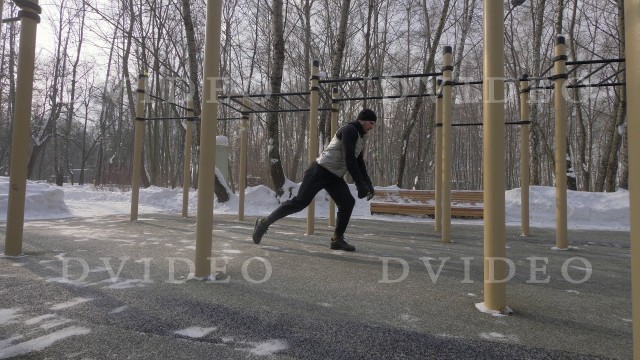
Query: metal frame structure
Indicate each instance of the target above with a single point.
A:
(237, 102)
(493, 137)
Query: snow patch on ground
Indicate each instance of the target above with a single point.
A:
(267, 348)
(71, 303)
(196, 331)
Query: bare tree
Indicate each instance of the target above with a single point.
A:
(72, 96)
(417, 104)
(273, 129)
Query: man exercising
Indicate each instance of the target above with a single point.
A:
(343, 154)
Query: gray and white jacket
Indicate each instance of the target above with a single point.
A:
(344, 153)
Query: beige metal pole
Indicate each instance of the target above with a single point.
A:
(632, 64)
(138, 144)
(493, 157)
(186, 171)
(208, 132)
(244, 141)
(524, 155)
(447, 145)
(334, 128)
(560, 73)
(20, 135)
(438, 159)
(313, 138)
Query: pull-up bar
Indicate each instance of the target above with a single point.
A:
(602, 61)
(382, 97)
(188, 118)
(578, 86)
(382, 77)
(482, 124)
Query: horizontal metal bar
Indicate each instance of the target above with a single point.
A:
(385, 97)
(283, 111)
(482, 124)
(221, 97)
(475, 82)
(190, 118)
(10, 20)
(603, 61)
(595, 85)
(383, 77)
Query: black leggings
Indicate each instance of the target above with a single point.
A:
(315, 179)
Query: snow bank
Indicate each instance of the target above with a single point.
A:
(586, 210)
(42, 201)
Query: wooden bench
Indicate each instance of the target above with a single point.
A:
(464, 204)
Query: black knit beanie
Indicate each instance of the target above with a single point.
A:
(367, 115)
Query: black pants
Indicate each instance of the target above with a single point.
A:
(315, 179)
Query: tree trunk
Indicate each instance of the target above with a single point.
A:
(106, 104)
(571, 176)
(304, 117)
(622, 128)
(624, 160)
(614, 148)
(608, 170)
(273, 130)
(538, 13)
(192, 54)
(583, 168)
(415, 109)
(72, 96)
(55, 96)
(336, 66)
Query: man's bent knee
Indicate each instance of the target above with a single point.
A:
(347, 203)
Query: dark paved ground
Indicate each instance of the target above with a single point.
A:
(109, 289)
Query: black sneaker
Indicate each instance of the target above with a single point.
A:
(338, 243)
(258, 231)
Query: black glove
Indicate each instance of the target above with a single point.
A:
(371, 193)
(363, 191)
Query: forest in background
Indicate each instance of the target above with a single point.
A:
(84, 92)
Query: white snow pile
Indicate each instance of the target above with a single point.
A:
(585, 210)
(42, 200)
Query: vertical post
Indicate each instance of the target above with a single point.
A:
(438, 159)
(208, 132)
(313, 138)
(138, 144)
(493, 158)
(447, 145)
(524, 155)
(244, 141)
(560, 75)
(186, 170)
(632, 64)
(334, 128)
(20, 135)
